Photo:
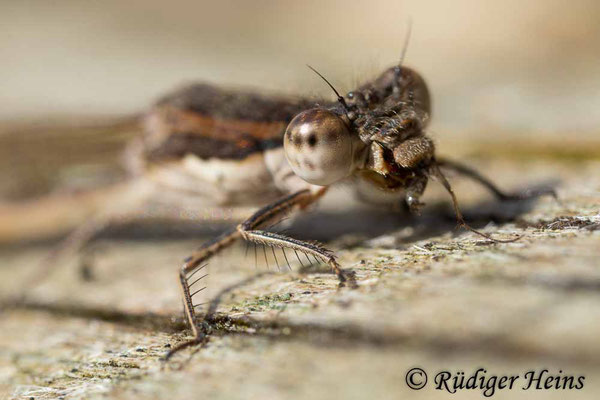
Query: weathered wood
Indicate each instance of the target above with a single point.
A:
(428, 296)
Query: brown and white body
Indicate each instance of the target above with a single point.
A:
(227, 148)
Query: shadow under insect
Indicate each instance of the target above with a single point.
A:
(357, 227)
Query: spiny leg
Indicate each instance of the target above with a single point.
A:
(191, 266)
(314, 249)
(437, 173)
(497, 192)
(247, 230)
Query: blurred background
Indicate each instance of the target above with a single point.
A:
(518, 65)
(524, 73)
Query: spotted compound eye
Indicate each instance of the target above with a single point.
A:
(319, 147)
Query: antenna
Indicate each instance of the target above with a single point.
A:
(339, 98)
(406, 41)
(398, 68)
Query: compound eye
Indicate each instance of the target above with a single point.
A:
(319, 147)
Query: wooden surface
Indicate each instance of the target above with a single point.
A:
(428, 296)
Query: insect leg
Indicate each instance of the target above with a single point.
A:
(247, 230)
(74, 242)
(437, 174)
(413, 152)
(489, 185)
(414, 191)
(315, 250)
(191, 265)
(112, 206)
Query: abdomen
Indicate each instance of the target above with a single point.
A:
(211, 142)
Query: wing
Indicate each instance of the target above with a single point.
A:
(211, 122)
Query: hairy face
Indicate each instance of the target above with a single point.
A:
(320, 147)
